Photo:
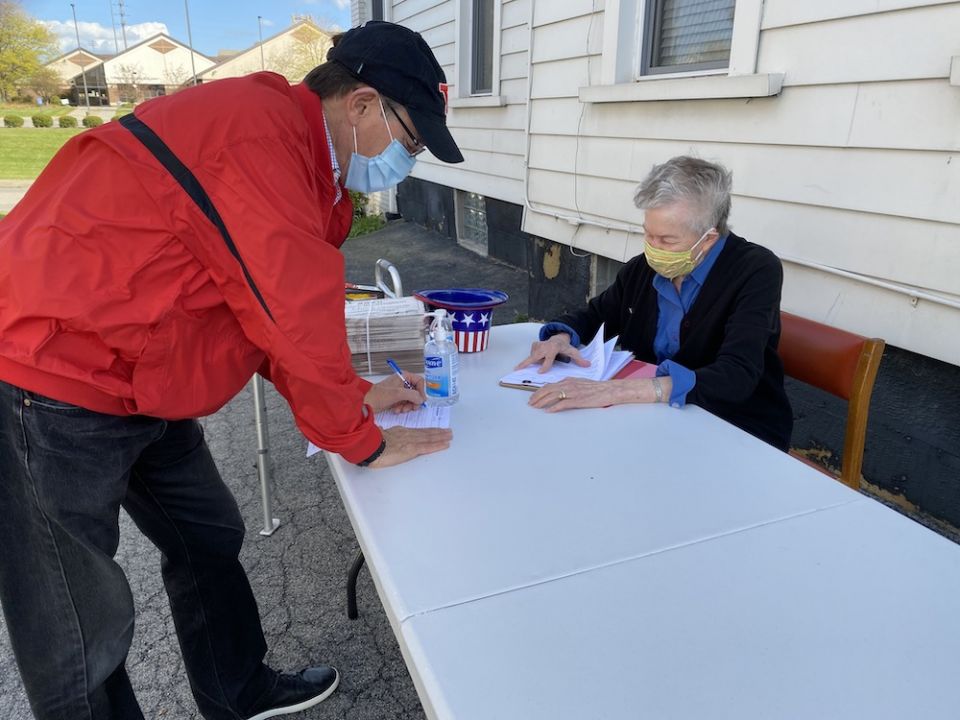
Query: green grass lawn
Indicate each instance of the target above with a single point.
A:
(24, 152)
(365, 225)
(24, 110)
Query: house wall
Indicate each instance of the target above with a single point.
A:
(850, 168)
(492, 137)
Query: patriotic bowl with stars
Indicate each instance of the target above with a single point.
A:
(471, 310)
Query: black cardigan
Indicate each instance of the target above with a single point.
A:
(729, 338)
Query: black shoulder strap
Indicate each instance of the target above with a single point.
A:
(181, 173)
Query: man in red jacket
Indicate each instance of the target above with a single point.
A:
(152, 268)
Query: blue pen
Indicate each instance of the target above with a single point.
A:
(399, 372)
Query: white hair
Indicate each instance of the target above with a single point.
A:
(703, 186)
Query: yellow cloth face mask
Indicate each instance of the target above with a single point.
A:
(673, 263)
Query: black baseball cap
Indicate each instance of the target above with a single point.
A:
(398, 63)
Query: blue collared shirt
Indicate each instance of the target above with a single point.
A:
(672, 307)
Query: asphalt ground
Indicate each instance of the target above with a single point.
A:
(298, 574)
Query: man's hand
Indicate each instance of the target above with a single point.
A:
(546, 351)
(407, 443)
(390, 394)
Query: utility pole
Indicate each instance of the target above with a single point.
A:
(193, 63)
(113, 24)
(123, 23)
(260, 29)
(83, 68)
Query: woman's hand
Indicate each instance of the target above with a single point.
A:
(546, 352)
(577, 393)
(390, 394)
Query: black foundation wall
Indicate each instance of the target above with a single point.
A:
(428, 204)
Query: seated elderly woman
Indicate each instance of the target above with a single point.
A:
(700, 302)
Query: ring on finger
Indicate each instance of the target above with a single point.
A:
(563, 395)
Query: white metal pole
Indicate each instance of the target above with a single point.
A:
(123, 22)
(193, 63)
(260, 30)
(83, 68)
(113, 24)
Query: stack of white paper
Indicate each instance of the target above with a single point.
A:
(605, 362)
(385, 328)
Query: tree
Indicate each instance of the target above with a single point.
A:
(127, 87)
(24, 45)
(45, 83)
(307, 50)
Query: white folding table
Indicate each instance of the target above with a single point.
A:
(534, 524)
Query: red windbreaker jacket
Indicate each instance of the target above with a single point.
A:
(118, 293)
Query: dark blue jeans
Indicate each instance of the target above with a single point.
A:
(64, 473)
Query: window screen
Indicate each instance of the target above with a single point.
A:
(482, 40)
(688, 34)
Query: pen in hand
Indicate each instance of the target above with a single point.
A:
(399, 372)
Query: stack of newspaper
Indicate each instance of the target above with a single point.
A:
(385, 328)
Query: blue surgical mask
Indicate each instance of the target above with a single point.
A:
(372, 174)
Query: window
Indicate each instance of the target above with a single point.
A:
(684, 35)
(472, 221)
(604, 273)
(376, 10)
(481, 43)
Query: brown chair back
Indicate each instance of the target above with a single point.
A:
(842, 363)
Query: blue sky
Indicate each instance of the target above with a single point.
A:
(216, 24)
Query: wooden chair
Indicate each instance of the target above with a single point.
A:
(843, 364)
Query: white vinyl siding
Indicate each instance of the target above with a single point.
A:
(853, 166)
(491, 138)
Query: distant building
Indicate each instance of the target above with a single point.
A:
(159, 65)
(70, 66)
(292, 53)
(155, 66)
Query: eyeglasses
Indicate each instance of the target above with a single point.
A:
(418, 145)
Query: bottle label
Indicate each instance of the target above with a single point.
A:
(438, 381)
(437, 377)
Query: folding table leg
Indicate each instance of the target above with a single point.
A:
(270, 523)
(352, 586)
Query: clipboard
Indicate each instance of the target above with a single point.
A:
(633, 369)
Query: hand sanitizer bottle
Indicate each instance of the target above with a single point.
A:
(441, 362)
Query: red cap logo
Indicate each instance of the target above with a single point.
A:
(445, 91)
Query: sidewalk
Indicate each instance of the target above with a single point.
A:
(11, 192)
(298, 574)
